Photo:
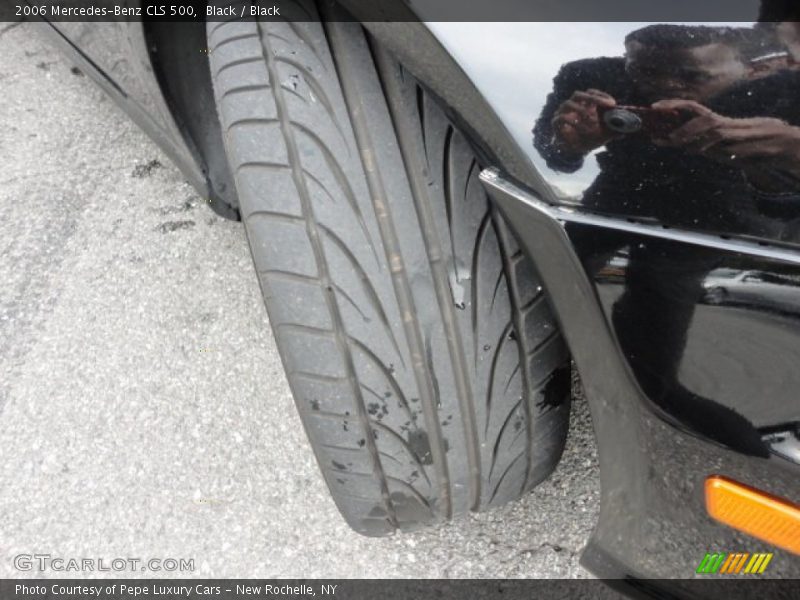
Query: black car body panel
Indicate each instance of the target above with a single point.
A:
(683, 382)
(654, 458)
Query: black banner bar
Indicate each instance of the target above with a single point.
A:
(389, 10)
(344, 589)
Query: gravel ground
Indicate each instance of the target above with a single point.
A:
(143, 409)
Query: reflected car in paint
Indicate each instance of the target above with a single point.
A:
(753, 288)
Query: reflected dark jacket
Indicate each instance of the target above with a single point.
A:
(640, 179)
(776, 96)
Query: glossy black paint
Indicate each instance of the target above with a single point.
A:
(657, 443)
(744, 73)
(712, 336)
(677, 281)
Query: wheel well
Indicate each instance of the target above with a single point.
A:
(179, 55)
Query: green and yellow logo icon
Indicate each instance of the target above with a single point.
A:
(734, 563)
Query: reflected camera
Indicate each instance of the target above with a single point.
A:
(634, 119)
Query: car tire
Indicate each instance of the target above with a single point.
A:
(716, 295)
(427, 368)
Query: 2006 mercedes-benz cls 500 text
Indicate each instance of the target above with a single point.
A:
(446, 218)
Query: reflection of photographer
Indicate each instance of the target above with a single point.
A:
(784, 17)
(661, 61)
(615, 103)
(648, 170)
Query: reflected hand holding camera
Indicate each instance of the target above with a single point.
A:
(751, 143)
(577, 125)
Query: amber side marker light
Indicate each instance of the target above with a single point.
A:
(773, 520)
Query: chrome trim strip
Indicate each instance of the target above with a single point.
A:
(492, 178)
